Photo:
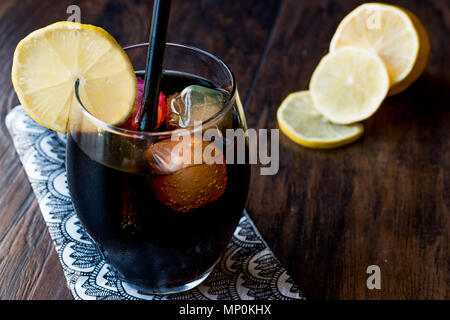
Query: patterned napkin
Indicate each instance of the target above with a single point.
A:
(248, 269)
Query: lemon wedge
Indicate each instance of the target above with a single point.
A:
(394, 33)
(349, 85)
(49, 61)
(299, 120)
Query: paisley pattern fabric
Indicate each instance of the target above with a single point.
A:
(247, 270)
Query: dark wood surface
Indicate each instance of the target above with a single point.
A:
(327, 215)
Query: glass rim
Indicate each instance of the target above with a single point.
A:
(138, 134)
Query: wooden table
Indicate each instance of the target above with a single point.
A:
(327, 215)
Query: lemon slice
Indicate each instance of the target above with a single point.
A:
(349, 85)
(300, 121)
(394, 33)
(48, 62)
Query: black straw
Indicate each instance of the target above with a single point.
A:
(153, 69)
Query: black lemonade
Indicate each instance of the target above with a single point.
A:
(157, 230)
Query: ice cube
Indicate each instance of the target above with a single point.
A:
(194, 103)
(184, 185)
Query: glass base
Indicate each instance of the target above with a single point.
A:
(173, 289)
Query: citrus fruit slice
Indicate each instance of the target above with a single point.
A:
(394, 33)
(349, 85)
(49, 61)
(300, 121)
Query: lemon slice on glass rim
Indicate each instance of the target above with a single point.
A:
(49, 61)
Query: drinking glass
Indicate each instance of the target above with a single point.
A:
(161, 223)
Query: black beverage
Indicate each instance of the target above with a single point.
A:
(157, 230)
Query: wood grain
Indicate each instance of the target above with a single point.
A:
(384, 200)
(327, 214)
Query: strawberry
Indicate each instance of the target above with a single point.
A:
(162, 110)
(133, 121)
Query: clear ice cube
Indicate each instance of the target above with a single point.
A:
(194, 103)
